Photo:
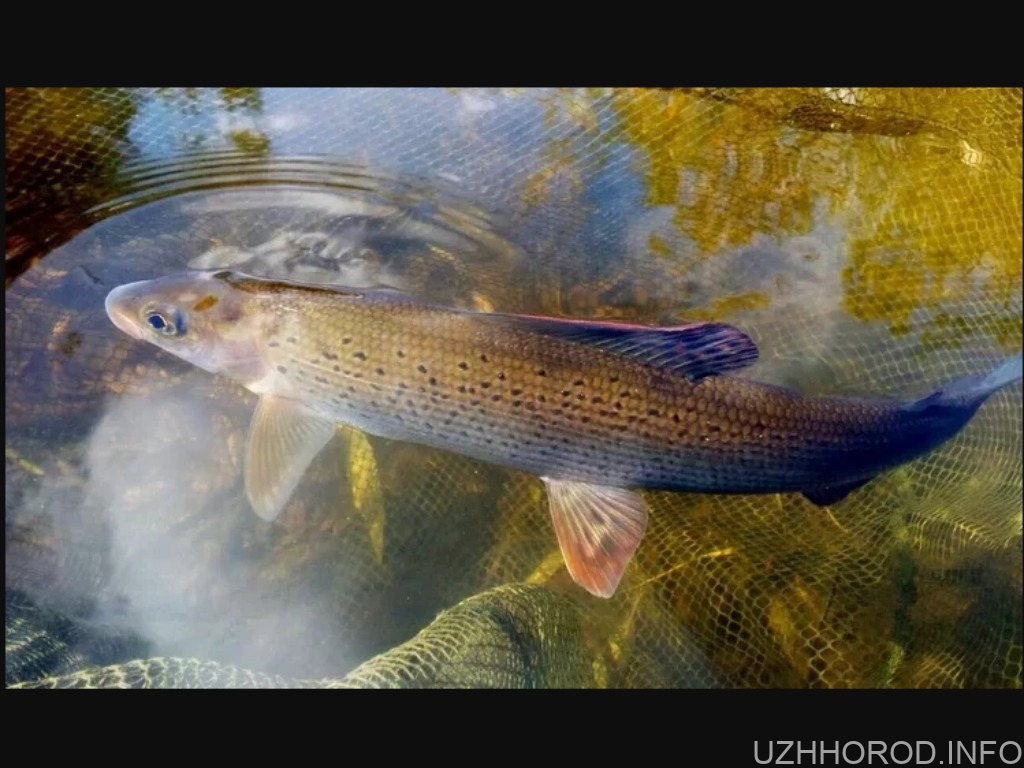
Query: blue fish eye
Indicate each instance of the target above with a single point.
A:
(167, 326)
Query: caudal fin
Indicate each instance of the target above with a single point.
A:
(974, 390)
(952, 406)
(1010, 371)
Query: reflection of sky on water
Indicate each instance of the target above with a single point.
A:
(338, 121)
(507, 136)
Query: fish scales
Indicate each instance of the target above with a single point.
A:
(547, 406)
(597, 410)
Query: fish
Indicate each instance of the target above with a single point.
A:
(599, 411)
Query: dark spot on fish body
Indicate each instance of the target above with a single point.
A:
(485, 384)
(541, 372)
(596, 400)
(496, 398)
(292, 340)
(281, 369)
(359, 355)
(320, 379)
(501, 375)
(421, 368)
(464, 365)
(400, 353)
(273, 344)
(329, 355)
(653, 412)
(483, 358)
(462, 389)
(337, 368)
(432, 381)
(578, 383)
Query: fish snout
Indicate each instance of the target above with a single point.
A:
(121, 309)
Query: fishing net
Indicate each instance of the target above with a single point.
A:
(512, 636)
(869, 240)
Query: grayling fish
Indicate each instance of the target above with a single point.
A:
(598, 410)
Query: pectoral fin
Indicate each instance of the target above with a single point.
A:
(284, 438)
(598, 530)
(827, 495)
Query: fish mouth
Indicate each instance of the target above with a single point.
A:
(120, 309)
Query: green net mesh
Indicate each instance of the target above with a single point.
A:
(512, 636)
(869, 240)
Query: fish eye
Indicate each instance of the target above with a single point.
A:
(172, 324)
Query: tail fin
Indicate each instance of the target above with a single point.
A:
(936, 418)
(974, 390)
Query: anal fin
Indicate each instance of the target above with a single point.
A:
(598, 530)
(284, 438)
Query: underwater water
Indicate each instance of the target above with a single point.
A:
(868, 240)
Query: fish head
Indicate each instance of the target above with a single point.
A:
(196, 316)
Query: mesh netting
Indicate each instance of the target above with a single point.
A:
(513, 636)
(869, 240)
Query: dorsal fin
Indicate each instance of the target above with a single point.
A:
(695, 350)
